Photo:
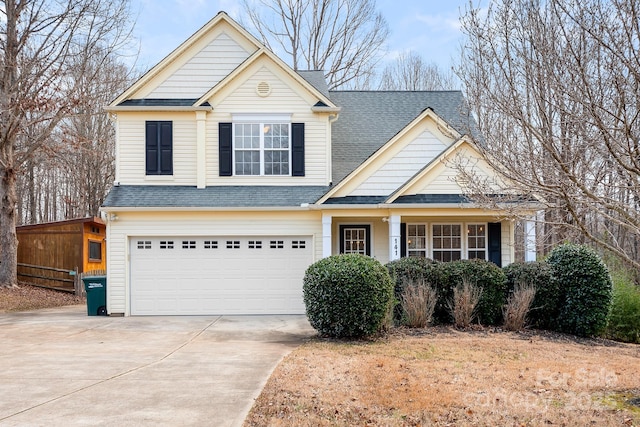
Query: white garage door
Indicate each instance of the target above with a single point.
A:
(218, 275)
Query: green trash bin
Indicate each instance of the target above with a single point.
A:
(96, 288)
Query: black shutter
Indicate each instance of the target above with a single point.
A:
(159, 147)
(151, 148)
(403, 239)
(495, 243)
(297, 149)
(225, 148)
(166, 148)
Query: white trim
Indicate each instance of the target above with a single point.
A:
(257, 117)
(530, 241)
(394, 237)
(326, 234)
(261, 124)
(201, 146)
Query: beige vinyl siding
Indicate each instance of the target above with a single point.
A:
(203, 71)
(397, 161)
(196, 224)
(379, 234)
(131, 149)
(284, 99)
(400, 168)
(445, 182)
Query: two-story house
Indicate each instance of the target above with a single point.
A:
(234, 173)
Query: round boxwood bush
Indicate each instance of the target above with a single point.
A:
(348, 295)
(409, 270)
(484, 274)
(546, 304)
(585, 289)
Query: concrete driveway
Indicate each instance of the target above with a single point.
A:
(60, 367)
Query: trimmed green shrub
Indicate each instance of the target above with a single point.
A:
(348, 295)
(409, 271)
(624, 319)
(483, 274)
(545, 308)
(585, 289)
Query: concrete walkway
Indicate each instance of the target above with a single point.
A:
(60, 367)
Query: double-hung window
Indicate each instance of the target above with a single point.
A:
(417, 240)
(477, 241)
(256, 145)
(262, 148)
(447, 242)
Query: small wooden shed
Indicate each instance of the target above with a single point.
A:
(49, 252)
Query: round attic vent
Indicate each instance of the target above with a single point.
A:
(263, 88)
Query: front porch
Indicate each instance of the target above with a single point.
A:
(440, 235)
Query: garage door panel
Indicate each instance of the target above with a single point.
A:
(218, 274)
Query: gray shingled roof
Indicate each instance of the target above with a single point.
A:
(369, 119)
(417, 198)
(160, 102)
(148, 196)
(317, 80)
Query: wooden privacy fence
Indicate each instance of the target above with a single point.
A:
(56, 278)
(48, 277)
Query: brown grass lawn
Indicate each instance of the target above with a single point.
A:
(445, 377)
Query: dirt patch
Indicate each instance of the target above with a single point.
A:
(445, 377)
(26, 297)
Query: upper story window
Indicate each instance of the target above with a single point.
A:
(159, 147)
(256, 145)
(262, 148)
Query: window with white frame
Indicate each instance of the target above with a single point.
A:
(447, 242)
(262, 148)
(417, 240)
(477, 241)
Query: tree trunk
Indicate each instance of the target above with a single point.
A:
(8, 239)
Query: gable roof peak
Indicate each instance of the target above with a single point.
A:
(221, 16)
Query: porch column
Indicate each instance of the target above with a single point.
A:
(201, 163)
(394, 237)
(530, 241)
(326, 235)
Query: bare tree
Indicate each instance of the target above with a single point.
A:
(37, 40)
(343, 38)
(555, 86)
(410, 72)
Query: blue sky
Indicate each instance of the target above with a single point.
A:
(428, 27)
